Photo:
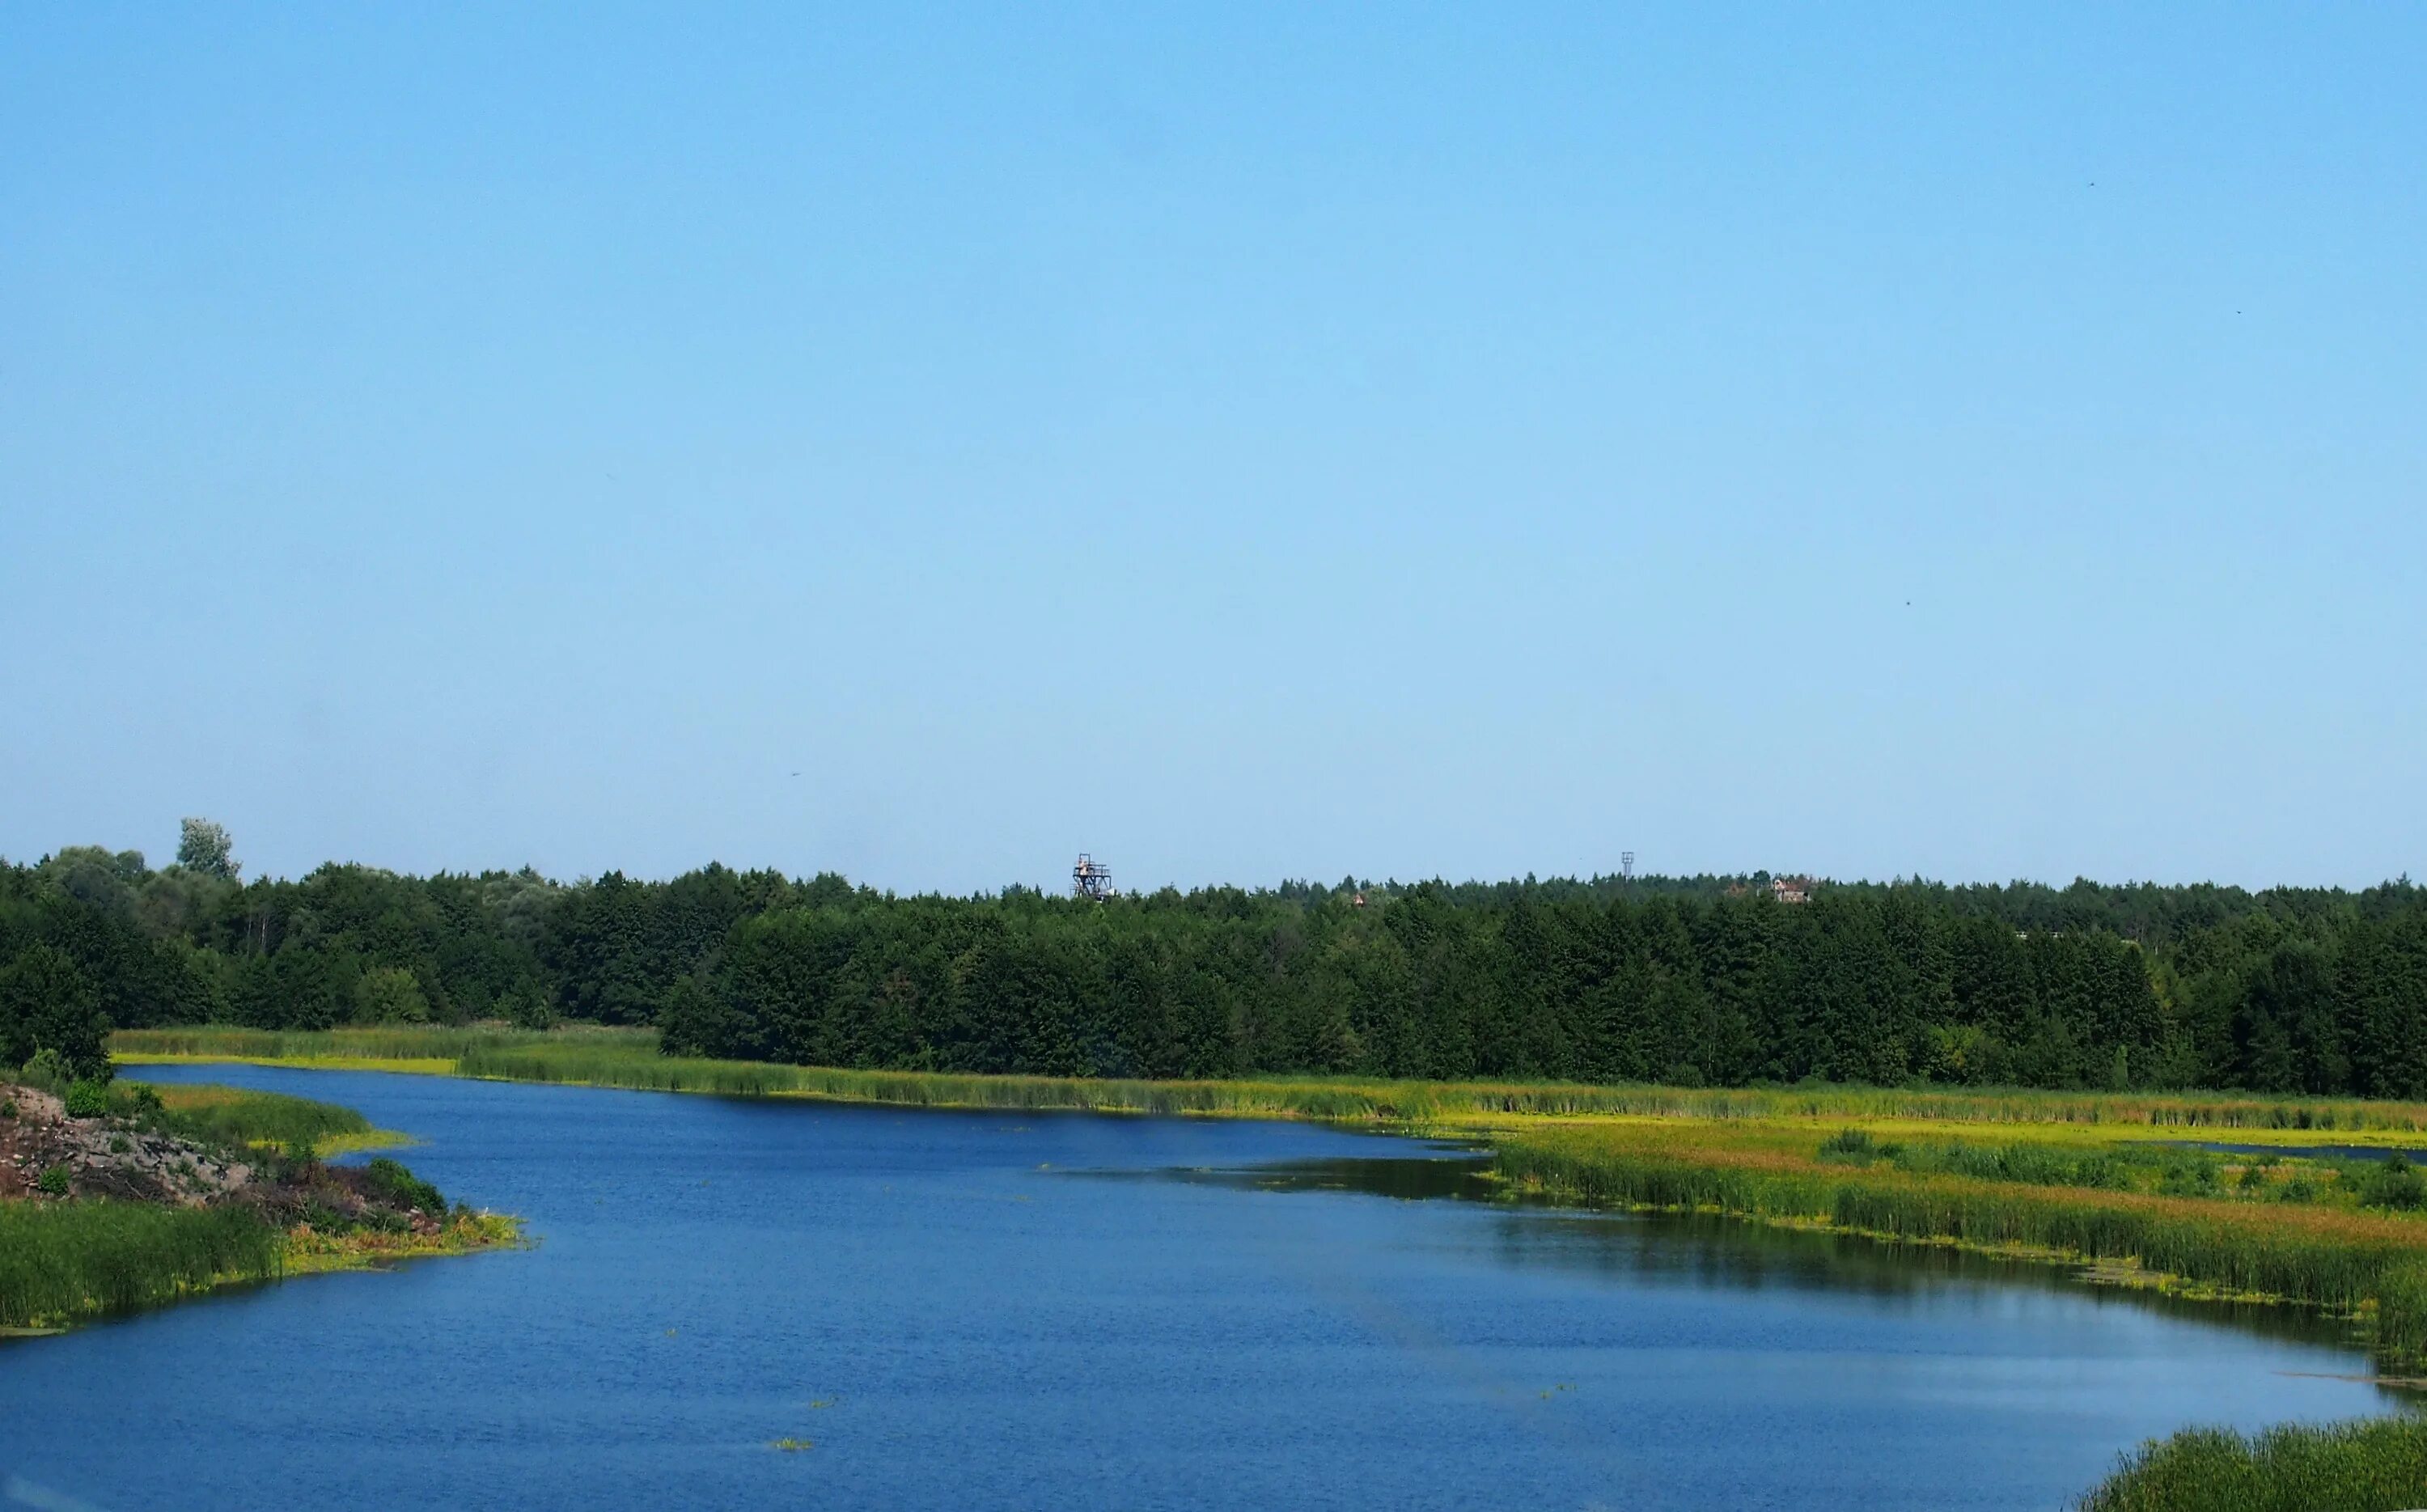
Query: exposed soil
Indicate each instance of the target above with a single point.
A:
(118, 1158)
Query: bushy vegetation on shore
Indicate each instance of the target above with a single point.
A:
(155, 1193)
(2374, 1465)
(1685, 981)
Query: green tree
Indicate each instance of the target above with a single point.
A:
(206, 848)
(389, 995)
(47, 1002)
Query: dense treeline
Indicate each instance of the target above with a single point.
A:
(1689, 980)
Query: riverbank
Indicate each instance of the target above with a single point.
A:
(159, 1194)
(2097, 1183)
(2093, 1181)
(590, 1056)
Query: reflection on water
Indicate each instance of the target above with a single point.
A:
(1714, 1251)
(1264, 1315)
(2314, 1152)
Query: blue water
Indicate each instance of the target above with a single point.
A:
(1068, 1311)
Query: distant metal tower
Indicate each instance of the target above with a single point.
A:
(1090, 881)
(1626, 865)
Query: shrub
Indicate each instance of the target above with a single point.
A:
(2393, 1182)
(53, 1182)
(87, 1100)
(393, 1183)
(1854, 1146)
(8, 1109)
(120, 1144)
(390, 995)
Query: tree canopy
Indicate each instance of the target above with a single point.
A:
(1680, 978)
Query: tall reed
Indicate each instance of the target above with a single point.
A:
(2362, 1264)
(64, 1260)
(2374, 1466)
(239, 1116)
(629, 1058)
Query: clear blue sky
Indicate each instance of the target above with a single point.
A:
(1242, 441)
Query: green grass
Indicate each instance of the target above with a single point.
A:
(239, 1119)
(220, 1042)
(60, 1262)
(2375, 1466)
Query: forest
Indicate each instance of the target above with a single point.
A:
(1693, 980)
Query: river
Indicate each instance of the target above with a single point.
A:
(974, 1310)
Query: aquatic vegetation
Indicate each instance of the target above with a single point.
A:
(791, 1446)
(309, 1249)
(62, 1260)
(2084, 1177)
(239, 1117)
(2374, 1466)
(629, 1058)
(384, 1048)
(2370, 1266)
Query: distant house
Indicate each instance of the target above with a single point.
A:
(1791, 890)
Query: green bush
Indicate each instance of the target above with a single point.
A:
(2392, 1182)
(53, 1182)
(8, 1109)
(87, 1100)
(393, 1183)
(1855, 1146)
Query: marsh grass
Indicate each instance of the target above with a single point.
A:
(237, 1118)
(64, 1260)
(306, 1250)
(2057, 1181)
(2374, 1465)
(2369, 1266)
(629, 1058)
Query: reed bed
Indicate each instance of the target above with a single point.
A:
(2374, 1466)
(370, 1044)
(2366, 1265)
(629, 1058)
(60, 1262)
(239, 1117)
